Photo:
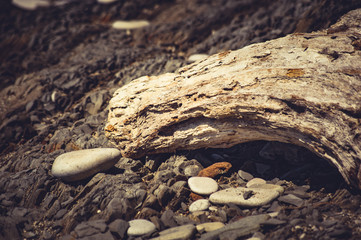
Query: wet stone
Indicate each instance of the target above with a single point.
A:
(199, 205)
(140, 227)
(202, 185)
(177, 233)
(244, 197)
(78, 165)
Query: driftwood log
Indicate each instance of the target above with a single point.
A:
(303, 89)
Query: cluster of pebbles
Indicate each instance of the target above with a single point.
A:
(184, 200)
(63, 66)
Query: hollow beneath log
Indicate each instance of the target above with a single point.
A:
(302, 89)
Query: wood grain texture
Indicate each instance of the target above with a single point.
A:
(303, 89)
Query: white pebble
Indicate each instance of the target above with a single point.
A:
(199, 205)
(106, 1)
(197, 57)
(130, 24)
(140, 227)
(77, 165)
(202, 185)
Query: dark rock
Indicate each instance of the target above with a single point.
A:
(106, 235)
(147, 213)
(273, 222)
(168, 219)
(291, 199)
(118, 228)
(90, 228)
(243, 227)
(164, 194)
(60, 214)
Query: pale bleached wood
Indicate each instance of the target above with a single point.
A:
(303, 89)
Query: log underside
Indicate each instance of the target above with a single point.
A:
(302, 89)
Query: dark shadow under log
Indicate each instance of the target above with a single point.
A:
(303, 89)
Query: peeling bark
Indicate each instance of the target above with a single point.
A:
(303, 89)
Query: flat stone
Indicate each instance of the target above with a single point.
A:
(256, 181)
(78, 165)
(209, 226)
(126, 25)
(177, 233)
(140, 227)
(291, 199)
(245, 175)
(244, 196)
(199, 205)
(202, 185)
(277, 188)
(242, 227)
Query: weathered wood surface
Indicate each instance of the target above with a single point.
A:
(303, 89)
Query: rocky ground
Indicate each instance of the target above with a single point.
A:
(60, 66)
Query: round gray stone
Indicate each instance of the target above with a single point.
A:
(244, 197)
(78, 165)
(202, 185)
(199, 205)
(140, 227)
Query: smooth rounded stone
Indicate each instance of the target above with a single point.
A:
(277, 188)
(209, 226)
(177, 233)
(255, 181)
(30, 4)
(78, 165)
(140, 227)
(197, 57)
(199, 205)
(244, 196)
(202, 185)
(245, 175)
(126, 25)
